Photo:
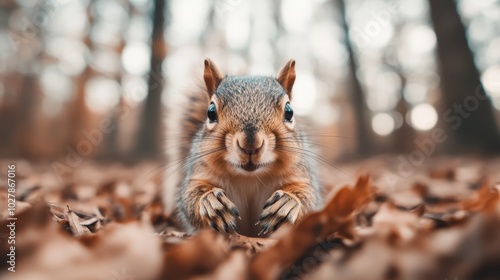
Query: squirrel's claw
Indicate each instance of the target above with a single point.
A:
(236, 212)
(214, 226)
(282, 207)
(217, 211)
(277, 195)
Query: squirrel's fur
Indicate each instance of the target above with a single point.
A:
(248, 165)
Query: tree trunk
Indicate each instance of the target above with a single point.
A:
(468, 115)
(149, 136)
(363, 130)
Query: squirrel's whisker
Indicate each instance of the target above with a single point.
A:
(312, 155)
(322, 146)
(185, 161)
(257, 176)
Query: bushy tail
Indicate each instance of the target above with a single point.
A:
(184, 120)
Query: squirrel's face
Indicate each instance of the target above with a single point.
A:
(250, 123)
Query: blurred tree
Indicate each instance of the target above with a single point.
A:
(364, 133)
(402, 139)
(8, 124)
(112, 142)
(150, 127)
(79, 114)
(29, 94)
(471, 121)
(25, 114)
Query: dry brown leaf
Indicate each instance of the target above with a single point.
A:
(485, 198)
(198, 256)
(74, 224)
(252, 245)
(395, 225)
(337, 216)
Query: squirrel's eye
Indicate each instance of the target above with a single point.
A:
(288, 112)
(212, 113)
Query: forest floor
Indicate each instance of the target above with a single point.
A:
(385, 218)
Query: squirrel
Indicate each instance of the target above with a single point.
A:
(244, 165)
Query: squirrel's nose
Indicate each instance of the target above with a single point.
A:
(249, 150)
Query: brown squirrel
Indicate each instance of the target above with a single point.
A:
(244, 165)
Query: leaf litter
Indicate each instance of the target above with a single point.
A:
(440, 222)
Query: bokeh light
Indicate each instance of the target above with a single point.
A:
(423, 117)
(383, 124)
(491, 81)
(415, 92)
(102, 94)
(135, 58)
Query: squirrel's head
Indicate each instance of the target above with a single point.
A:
(250, 126)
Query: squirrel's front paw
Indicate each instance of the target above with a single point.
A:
(280, 208)
(218, 211)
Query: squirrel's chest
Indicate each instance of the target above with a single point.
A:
(249, 196)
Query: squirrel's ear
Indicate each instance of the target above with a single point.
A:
(286, 77)
(212, 76)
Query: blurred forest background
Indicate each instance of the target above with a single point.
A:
(94, 76)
